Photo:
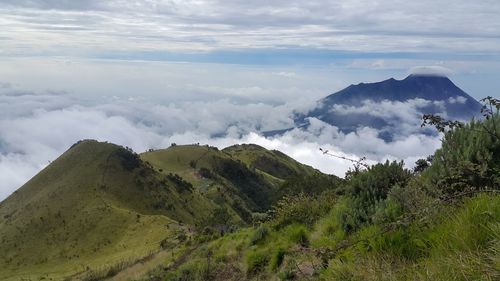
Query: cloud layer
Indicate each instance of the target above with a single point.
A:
(75, 27)
(36, 127)
(97, 69)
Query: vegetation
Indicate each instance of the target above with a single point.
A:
(440, 221)
(246, 213)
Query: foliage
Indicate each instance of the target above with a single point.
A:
(368, 189)
(277, 258)
(256, 260)
(310, 185)
(259, 234)
(297, 234)
(469, 158)
(180, 183)
(380, 223)
(301, 209)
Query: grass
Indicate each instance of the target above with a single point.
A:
(99, 212)
(83, 214)
(461, 243)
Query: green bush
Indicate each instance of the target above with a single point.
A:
(259, 235)
(475, 226)
(277, 258)
(195, 270)
(469, 158)
(311, 185)
(387, 211)
(367, 189)
(297, 234)
(301, 208)
(256, 260)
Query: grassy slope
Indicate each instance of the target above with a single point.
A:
(461, 244)
(87, 209)
(240, 175)
(271, 162)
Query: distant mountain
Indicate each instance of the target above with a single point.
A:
(100, 204)
(367, 104)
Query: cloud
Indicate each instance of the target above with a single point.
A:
(458, 99)
(285, 74)
(36, 127)
(69, 27)
(434, 70)
(400, 118)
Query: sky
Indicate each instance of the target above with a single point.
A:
(152, 72)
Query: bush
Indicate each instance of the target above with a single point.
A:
(367, 189)
(256, 260)
(469, 158)
(192, 271)
(387, 211)
(297, 234)
(259, 235)
(277, 258)
(475, 226)
(300, 209)
(311, 185)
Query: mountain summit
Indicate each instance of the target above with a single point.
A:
(386, 105)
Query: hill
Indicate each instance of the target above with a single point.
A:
(100, 204)
(86, 209)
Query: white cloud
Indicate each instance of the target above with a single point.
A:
(71, 27)
(435, 70)
(35, 128)
(458, 99)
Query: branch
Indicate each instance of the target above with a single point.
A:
(358, 162)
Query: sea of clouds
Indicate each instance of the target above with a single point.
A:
(36, 127)
(74, 70)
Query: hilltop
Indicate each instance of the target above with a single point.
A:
(101, 204)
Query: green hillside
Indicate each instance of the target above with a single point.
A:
(246, 178)
(103, 212)
(100, 206)
(440, 221)
(87, 209)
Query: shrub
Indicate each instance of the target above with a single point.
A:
(401, 243)
(297, 234)
(302, 209)
(277, 258)
(475, 226)
(387, 211)
(259, 235)
(367, 189)
(469, 158)
(256, 260)
(310, 184)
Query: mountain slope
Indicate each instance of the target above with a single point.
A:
(87, 209)
(248, 177)
(100, 204)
